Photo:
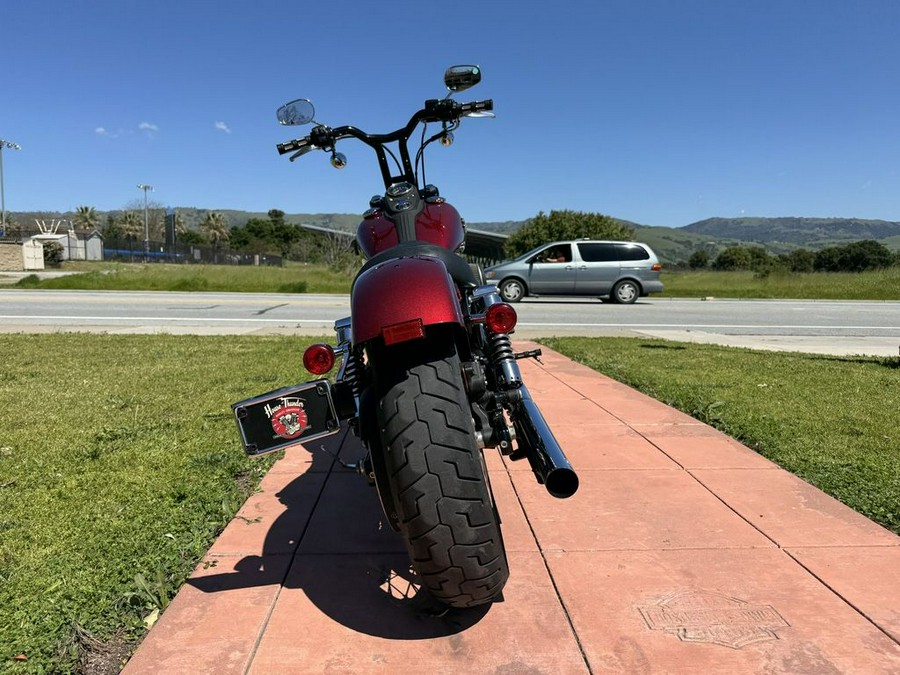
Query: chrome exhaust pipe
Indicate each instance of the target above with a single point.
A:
(536, 441)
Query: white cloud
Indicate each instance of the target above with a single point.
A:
(100, 131)
(221, 126)
(148, 126)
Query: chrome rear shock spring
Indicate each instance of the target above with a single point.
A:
(351, 371)
(501, 355)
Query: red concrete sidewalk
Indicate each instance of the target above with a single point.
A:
(682, 552)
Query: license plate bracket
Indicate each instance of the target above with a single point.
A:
(286, 417)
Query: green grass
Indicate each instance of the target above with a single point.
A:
(119, 464)
(300, 278)
(874, 285)
(833, 421)
(162, 277)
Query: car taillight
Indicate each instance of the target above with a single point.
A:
(500, 318)
(318, 358)
(401, 332)
(656, 267)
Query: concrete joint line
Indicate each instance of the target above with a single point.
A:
(293, 554)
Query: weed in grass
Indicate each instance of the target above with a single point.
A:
(156, 591)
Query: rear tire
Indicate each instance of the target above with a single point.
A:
(443, 498)
(625, 292)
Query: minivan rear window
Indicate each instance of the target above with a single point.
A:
(598, 252)
(632, 252)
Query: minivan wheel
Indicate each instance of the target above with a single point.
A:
(512, 290)
(625, 292)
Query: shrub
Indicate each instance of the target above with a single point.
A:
(699, 259)
(53, 254)
(855, 257)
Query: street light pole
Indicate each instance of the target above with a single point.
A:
(146, 188)
(11, 146)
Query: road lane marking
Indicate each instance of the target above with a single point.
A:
(523, 324)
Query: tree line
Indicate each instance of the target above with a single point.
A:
(271, 235)
(858, 256)
(275, 236)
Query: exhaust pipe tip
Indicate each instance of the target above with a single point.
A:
(561, 483)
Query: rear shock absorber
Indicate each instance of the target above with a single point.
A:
(499, 346)
(350, 373)
(502, 357)
(351, 370)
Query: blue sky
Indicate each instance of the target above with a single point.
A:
(663, 112)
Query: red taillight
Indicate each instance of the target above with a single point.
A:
(656, 267)
(500, 318)
(401, 332)
(318, 358)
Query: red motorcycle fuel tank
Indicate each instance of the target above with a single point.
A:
(439, 224)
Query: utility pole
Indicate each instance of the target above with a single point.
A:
(146, 188)
(11, 146)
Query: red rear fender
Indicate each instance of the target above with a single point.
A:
(401, 290)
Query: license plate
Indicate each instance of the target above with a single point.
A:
(286, 417)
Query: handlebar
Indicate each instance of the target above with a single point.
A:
(435, 110)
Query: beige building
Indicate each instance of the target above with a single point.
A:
(21, 256)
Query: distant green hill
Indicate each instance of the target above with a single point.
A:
(796, 232)
(777, 235)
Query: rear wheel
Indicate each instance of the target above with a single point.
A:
(626, 292)
(441, 490)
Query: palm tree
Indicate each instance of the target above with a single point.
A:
(180, 226)
(216, 227)
(132, 224)
(86, 217)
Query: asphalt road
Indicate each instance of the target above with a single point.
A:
(796, 325)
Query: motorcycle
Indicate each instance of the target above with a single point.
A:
(428, 377)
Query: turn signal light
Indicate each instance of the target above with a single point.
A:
(500, 318)
(318, 358)
(656, 267)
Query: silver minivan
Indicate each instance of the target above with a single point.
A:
(621, 271)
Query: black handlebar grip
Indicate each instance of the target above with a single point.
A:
(291, 146)
(476, 106)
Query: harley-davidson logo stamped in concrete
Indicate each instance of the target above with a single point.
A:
(714, 618)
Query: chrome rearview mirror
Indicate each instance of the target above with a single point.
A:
(296, 113)
(460, 78)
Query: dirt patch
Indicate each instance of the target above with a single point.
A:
(103, 657)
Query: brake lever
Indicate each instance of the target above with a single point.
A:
(301, 152)
(481, 113)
